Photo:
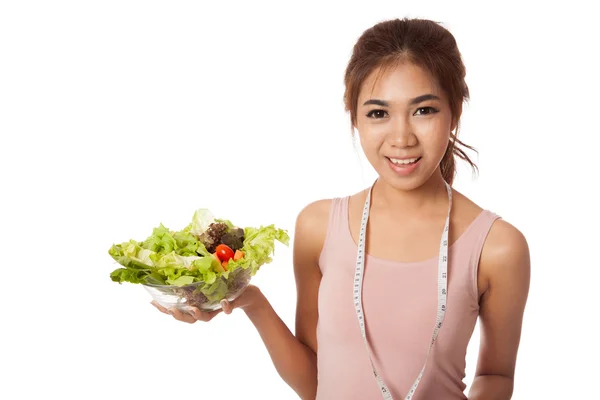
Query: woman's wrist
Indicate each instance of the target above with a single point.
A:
(253, 300)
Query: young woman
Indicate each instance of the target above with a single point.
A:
(422, 260)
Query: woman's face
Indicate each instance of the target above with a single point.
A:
(404, 123)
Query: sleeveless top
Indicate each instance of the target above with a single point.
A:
(400, 306)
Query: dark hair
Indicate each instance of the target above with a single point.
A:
(424, 43)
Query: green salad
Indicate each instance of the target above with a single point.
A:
(210, 255)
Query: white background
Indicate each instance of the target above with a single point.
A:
(118, 115)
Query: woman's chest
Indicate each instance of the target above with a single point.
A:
(400, 302)
(406, 240)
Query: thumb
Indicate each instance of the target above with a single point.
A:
(226, 306)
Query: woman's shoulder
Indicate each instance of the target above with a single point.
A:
(315, 211)
(505, 250)
(312, 220)
(501, 230)
(319, 210)
(311, 230)
(503, 239)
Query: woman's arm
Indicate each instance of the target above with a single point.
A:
(294, 361)
(505, 267)
(294, 356)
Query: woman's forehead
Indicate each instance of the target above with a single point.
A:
(398, 82)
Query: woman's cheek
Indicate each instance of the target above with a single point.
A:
(371, 141)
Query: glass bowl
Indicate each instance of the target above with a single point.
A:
(183, 298)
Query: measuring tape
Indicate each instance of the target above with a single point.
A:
(442, 291)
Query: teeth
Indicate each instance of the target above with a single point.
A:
(407, 161)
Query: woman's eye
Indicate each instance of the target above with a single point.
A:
(377, 114)
(429, 110)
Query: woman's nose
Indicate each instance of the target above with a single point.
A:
(402, 135)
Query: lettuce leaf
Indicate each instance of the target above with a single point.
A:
(129, 275)
(161, 240)
(180, 258)
(215, 291)
(181, 281)
(259, 247)
(200, 221)
(186, 244)
(131, 255)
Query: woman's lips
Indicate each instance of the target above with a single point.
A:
(404, 169)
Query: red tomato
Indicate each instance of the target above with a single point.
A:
(224, 252)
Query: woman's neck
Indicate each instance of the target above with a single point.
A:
(430, 197)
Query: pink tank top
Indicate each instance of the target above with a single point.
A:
(400, 305)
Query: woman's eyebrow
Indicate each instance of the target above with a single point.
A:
(414, 101)
(377, 102)
(423, 98)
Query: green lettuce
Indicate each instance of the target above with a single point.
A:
(259, 246)
(200, 221)
(161, 241)
(179, 258)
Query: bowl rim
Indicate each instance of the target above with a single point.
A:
(193, 284)
(172, 286)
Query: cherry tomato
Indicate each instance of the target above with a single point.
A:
(224, 252)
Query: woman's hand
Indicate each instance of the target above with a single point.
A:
(248, 299)
(193, 315)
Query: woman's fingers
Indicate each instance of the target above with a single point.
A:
(192, 315)
(203, 315)
(226, 306)
(159, 307)
(181, 316)
(178, 315)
